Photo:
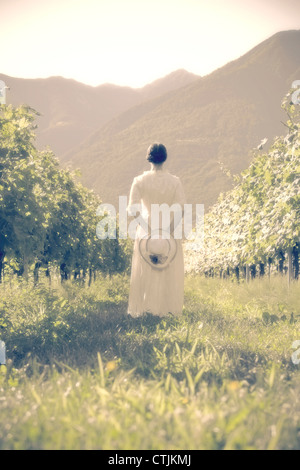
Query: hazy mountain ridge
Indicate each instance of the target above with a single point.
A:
(216, 118)
(219, 117)
(71, 110)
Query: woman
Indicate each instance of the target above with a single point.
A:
(157, 271)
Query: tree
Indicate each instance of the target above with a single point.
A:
(21, 217)
(47, 217)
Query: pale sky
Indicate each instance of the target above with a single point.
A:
(133, 42)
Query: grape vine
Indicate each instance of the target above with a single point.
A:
(256, 224)
(47, 218)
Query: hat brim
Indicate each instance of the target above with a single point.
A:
(158, 261)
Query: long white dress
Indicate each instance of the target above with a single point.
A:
(159, 292)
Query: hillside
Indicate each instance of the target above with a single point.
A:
(218, 118)
(71, 111)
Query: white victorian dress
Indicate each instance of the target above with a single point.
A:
(156, 291)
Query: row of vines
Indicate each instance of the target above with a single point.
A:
(47, 218)
(254, 228)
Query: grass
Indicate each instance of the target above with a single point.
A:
(81, 374)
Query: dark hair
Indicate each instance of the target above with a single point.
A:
(156, 153)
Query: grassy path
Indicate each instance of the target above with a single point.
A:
(82, 375)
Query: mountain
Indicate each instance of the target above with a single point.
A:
(71, 111)
(211, 123)
(173, 81)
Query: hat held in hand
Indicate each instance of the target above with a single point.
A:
(158, 251)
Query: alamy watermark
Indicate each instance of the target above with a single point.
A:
(172, 220)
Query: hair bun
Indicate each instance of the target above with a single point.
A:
(156, 153)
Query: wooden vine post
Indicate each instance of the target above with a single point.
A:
(247, 272)
(290, 265)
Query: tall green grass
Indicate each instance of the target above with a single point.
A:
(81, 374)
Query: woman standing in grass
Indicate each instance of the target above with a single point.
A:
(157, 271)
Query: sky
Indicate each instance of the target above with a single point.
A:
(133, 42)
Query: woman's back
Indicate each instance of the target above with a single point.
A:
(157, 187)
(157, 271)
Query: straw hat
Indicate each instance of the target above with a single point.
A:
(158, 250)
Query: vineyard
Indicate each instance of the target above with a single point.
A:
(81, 374)
(47, 218)
(254, 228)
